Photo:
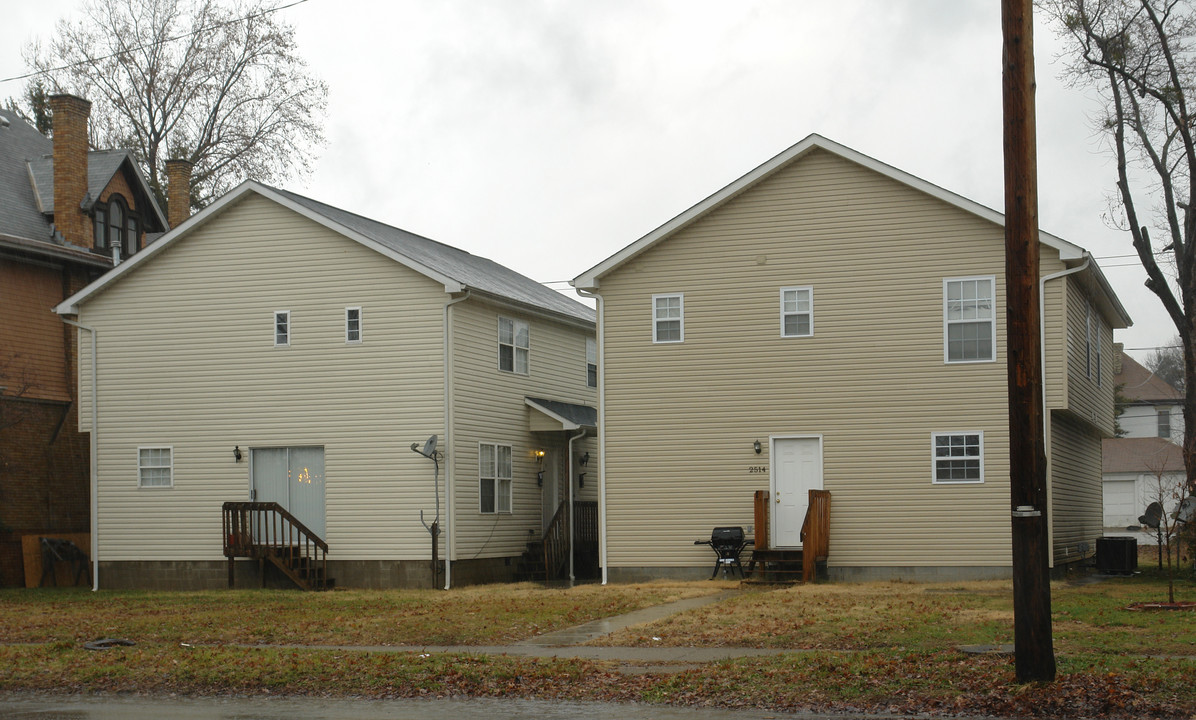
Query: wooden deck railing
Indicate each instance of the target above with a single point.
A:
(815, 533)
(268, 531)
(556, 537)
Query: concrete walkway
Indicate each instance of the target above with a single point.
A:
(569, 643)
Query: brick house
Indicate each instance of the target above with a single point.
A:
(67, 215)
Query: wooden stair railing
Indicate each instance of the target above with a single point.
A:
(268, 532)
(815, 533)
(556, 542)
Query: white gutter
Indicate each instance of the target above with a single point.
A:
(1046, 415)
(449, 464)
(572, 518)
(601, 431)
(95, 504)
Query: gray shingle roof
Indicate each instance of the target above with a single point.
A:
(472, 271)
(19, 143)
(101, 166)
(582, 415)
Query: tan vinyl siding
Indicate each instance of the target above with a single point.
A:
(1085, 398)
(187, 360)
(488, 406)
(681, 418)
(1076, 490)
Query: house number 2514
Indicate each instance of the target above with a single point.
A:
(756, 469)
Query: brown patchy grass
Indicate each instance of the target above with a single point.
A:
(926, 617)
(479, 615)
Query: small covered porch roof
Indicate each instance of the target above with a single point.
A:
(554, 416)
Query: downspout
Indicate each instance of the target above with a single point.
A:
(572, 530)
(1046, 415)
(601, 432)
(94, 441)
(450, 464)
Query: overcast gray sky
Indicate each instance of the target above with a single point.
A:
(548, 134)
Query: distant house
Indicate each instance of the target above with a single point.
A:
(277, 349)
(830, 322)
(1149, 453)
(67, 214)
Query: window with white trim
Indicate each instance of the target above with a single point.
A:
(958, 457)
(514, 345)
(668, 318)
(353, 324)
(797, 312)
(591, 362)
(1099, 331)
(969, 320)
(1164, 423)
(282, 328)
(1087, 341)
(494, 472)
(155, 467)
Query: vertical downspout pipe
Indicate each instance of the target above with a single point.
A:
(572, 530)
(1046, 414)
(601, 432)
(450, 465)
(94, 451)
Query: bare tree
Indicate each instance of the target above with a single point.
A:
(1139, 55)
(15, 382)
(221, 85)
(1166, 492)
(1168, 363)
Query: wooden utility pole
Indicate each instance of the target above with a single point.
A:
(1035, 654)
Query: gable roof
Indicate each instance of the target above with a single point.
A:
(27, 179)
(1140, 385)
(1141, 455)
(456, 269)
(1068, 252)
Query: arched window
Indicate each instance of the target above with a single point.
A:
(116, 226)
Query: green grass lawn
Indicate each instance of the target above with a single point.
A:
(861, 647)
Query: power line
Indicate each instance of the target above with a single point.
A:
(153, 44)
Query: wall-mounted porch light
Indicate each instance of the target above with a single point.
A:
(756, 446)
(584, 459)
(237, 454)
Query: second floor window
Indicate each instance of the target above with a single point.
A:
(117, 228)
(352, 324)
(668, 318)
(969, 320)
(797, 312)
(1164, 423)
(591, 362)
(514, 345)
(282, 328)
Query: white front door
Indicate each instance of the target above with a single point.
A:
(796, 470)
(293, 478)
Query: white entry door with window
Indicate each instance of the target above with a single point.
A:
(293, 477)
(796, 470)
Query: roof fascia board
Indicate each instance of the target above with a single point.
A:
(565, 423)
(526, 309)
(590, 279)
(1114, 303)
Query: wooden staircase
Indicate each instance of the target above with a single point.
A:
(792, 564)
(266, 532)
(547, 559)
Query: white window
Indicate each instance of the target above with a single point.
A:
(958, 457)
(797, 312)
(282, 328)
(353, 324)
(1164, 423)
(1099, 331)
(591, 362)
(155, 467)
(668, 318)
(1088, 341)
(494, 471)
(969, 324)
(513, 345)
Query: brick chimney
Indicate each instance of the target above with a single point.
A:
(70, 168)
(178, 185)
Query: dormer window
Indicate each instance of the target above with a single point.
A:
(117, 229)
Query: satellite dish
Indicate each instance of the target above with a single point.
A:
(1153, 516)
(429, 449)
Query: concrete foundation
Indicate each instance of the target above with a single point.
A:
(833, 574)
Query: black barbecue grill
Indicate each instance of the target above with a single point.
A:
(727, 543)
